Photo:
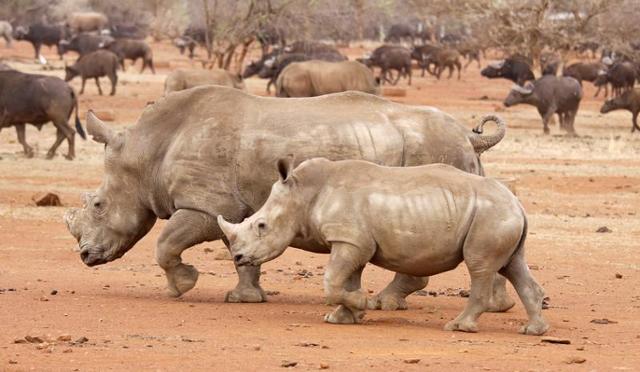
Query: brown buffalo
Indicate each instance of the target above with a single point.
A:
(37, 100)
(95, 65)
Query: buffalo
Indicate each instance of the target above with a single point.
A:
(37, 100)
(630, 101)
(39, 34)
(512, 68)
(133, 50)
(95, 65)
(84, 43)
(550, 95)
(390, 57)
(582, 71)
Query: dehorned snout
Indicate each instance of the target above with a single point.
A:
(70, 219)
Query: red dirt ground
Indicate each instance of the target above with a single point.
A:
(569, 186)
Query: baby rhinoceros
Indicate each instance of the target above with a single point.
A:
(420, 221)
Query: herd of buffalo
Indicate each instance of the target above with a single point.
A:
(299, 69)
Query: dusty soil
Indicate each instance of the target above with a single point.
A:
(570, 187)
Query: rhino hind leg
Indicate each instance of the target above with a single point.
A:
(393, 296)
(500, 300)
(481, 288)
(344, 266)
(530, 293)
(184, 229)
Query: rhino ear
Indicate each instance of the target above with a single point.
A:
(285, 168)
(99, 130)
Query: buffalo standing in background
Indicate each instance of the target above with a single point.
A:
(39, 34)
(37, 100)
(550, 95)
(513, 68)
(95, 65)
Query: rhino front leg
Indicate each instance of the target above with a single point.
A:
(393, 296)
(345, 265)
(248, 288)
(185, 229)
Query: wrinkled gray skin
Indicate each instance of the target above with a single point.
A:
(418, 221)
(182, 79)
(630, 101)
(316, 78)
(207, 151)
(550, 95)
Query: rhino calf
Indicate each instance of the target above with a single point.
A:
(419, 221)
(630, 101)
(182, 79)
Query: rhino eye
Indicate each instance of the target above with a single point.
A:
(97, 204)
(262, 225)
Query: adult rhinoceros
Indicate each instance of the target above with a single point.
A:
(209, 151)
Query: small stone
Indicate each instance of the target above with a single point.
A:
(604, 229)
(208, 250)
(272, 293)
(11, 361)
(412, 361)
(580, 348)
(545, 303)
(81, 340)
(618, 276)
(288, 364)
(534, 267)
(575, 360)
(34, 339)
(555, 340)
(47, 200)
(64, 338)
(257, 347)
(603, 321)
(324, 366)
(44, 299)
(54, 292)
(19, 341)
(464, 293)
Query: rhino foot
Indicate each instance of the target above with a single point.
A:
(181, 279)
(387, 302)
(462, 326)
(535, 328)
(246, 294)
(500, 304)
(342, 315)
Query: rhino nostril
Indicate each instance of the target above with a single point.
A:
(238, 257)
(84, 254)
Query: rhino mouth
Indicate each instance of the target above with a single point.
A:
(90, 259)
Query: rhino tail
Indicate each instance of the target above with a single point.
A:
(79, 128)
(483, 142)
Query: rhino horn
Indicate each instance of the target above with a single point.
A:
(98, 129)
(228, 229)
